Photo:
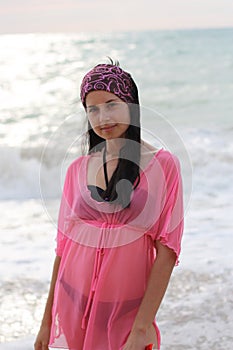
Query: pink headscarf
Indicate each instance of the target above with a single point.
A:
(110, 78)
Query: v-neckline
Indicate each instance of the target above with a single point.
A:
(87, 157)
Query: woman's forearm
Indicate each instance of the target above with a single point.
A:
(156, 288)
(47, 317)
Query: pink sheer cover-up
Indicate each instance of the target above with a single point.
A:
(107, 254)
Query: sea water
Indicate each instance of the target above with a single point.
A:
(186, 88)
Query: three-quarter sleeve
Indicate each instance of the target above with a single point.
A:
(170, 225)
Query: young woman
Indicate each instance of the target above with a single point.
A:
(119, 228)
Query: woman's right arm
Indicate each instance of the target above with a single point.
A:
(42, 339)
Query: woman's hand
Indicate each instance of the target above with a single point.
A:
(42, 340)
(135, 341)
(139, 339)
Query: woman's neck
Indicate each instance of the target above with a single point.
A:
(113, 146)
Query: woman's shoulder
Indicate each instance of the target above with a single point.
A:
(76, 163)
(162, 153)
(169, 162)
(167, 156)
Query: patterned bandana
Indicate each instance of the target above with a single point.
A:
(110, 78)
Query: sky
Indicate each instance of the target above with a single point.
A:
(30, 16)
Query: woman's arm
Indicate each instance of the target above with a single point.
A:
(156, 288)
(42, 339)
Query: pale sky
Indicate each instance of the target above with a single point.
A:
(28, 16)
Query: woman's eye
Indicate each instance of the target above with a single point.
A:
(92, 110)
(111, 105)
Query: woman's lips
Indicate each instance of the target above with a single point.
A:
(108, 127)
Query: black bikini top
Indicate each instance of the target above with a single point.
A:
(96, 191)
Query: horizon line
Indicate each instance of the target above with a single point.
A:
(120, 31)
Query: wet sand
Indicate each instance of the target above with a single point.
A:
(196, 312)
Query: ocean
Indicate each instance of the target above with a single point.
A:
(186, 87)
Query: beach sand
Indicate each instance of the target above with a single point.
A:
(195, 313)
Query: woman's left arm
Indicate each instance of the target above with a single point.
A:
(156, 288)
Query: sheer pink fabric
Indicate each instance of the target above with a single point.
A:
(107, 254)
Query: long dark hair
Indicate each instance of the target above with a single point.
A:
(129, 157)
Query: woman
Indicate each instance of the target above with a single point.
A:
(119, 229)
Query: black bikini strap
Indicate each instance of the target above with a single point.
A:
(105, 167)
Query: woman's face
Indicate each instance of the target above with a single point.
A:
(108, 115)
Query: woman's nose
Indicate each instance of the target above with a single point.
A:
(103, 114)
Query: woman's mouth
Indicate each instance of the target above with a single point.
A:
(108, 127)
